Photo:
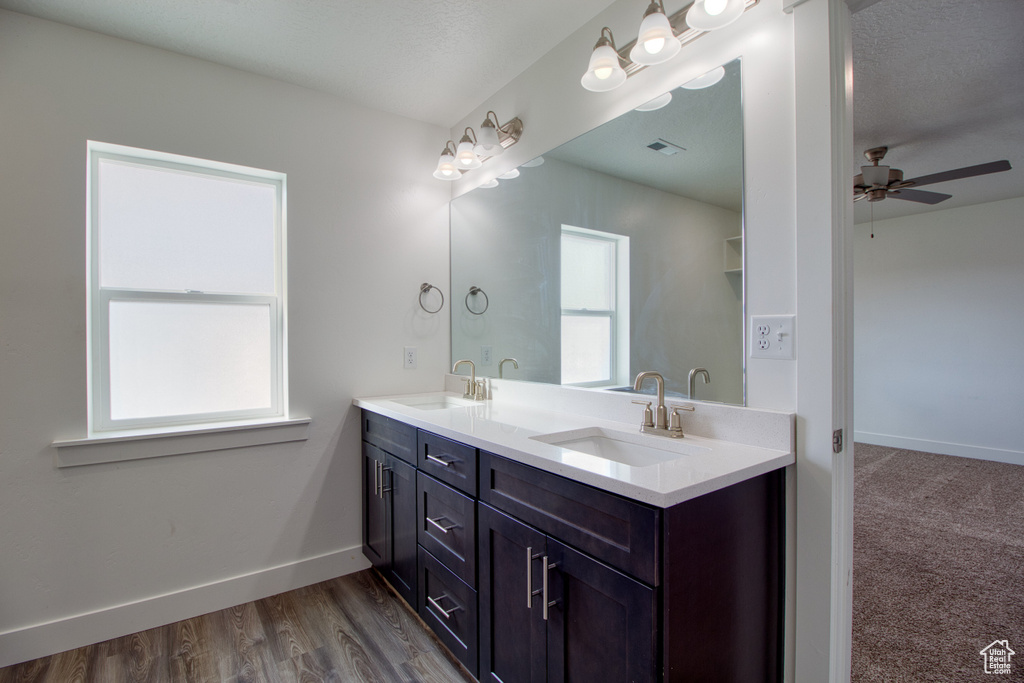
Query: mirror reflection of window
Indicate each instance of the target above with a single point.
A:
(594, 266)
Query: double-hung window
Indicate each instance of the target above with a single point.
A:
(595, 306)
(186, 291)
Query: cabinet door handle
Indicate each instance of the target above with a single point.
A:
(436, 604)
(530, 557)
(444, 529)
(384, 490)
(544, 592)
(439, 461)
(376, 478)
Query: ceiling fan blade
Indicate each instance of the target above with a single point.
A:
(958, 173)
(919, 196)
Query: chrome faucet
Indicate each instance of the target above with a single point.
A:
(661, 422)
(470, 381)
(693, 379)
(515, 364)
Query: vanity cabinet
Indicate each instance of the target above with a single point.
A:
(389, 501)
(529, 576)
(551, 613)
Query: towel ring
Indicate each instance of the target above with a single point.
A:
(476, 290)
(426, 287)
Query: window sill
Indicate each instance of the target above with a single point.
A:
(140, 444)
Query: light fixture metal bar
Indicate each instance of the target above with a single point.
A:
(684, 34)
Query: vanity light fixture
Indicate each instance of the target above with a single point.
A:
(514, 173)
(705, 80)
(604, 72)
(655, 42)
(707, 15)
(465, 157)
(446, 169)
(472, 151)
(493, 182)
(659, 39)
(657, 103)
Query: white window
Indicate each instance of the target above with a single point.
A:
(595, 306)
(186, 290)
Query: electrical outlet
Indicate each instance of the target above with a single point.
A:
(772, 336)
(410, 358)
(485, 355)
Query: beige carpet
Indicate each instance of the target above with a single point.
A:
(938, 566)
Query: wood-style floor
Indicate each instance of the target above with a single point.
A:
(354, 628)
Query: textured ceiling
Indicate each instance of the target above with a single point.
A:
(431, 60)
(941, 84)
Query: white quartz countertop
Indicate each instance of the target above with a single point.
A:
(506, 429)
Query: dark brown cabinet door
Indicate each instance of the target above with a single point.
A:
(400, 496)
(601, 626)
(512, 638)
(376, 520)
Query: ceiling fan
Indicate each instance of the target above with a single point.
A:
(878, 182)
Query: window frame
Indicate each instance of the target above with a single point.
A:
(618, 348)
(100, 298)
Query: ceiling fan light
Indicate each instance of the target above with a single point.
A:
(875, 175)
(604, 72)
(655, 42)
(704, 18)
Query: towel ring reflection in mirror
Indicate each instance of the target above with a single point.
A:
(426, 287)
(474, 290)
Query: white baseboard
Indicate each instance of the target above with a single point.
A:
(78, 630)
(958, 449)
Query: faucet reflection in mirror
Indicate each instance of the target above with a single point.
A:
(678, 305)
(473, 149)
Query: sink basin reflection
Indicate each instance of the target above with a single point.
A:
(434, 402)
(633, 449)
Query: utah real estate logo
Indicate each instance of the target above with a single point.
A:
(997, 657)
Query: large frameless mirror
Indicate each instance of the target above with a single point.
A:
(617, 252)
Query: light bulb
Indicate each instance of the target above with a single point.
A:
(714, 7)
(654, 45)
(603, 73)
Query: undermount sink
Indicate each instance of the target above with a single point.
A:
(434, 402)
(633, 449)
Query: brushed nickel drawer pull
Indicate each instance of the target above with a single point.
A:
(436, 604)
(545, 590)
(439, 461)
(444, 529)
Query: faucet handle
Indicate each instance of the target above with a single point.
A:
(674, 425)
(648, 415)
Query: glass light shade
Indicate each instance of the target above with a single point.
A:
(705, 80)
(493, 182)
(487, 144)
(657, 103)
(655, 41)
(604, 72)
(514, 173)
(533, 162)
(446, 169)
(465, 158)
(875, 175)
(705, 15)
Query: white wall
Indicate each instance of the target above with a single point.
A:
(940, 324)
(685, 312)
(183, 535)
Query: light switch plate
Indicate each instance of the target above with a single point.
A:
(773, 336)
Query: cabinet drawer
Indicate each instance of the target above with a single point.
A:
(451, 462)
(449, 607)
(390, 435)
(447, 526)
(618, 531)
